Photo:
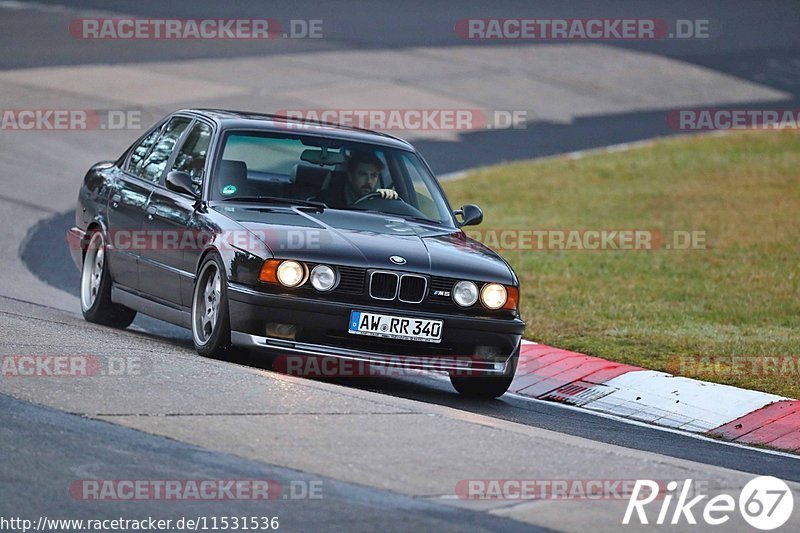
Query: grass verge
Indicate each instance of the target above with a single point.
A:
(726, 310)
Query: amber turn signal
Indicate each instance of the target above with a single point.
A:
(513, 298)
(269, 271)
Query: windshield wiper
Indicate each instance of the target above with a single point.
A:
(276, 200)
(425, 219)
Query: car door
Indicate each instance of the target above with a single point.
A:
(127, 200)
(172, 217)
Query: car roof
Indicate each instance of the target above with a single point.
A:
(245, 120)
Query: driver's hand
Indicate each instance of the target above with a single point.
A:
(388, 194)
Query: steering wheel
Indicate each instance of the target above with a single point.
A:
(398, 206)
(369, 196)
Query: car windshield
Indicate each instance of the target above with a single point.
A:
(338, 174)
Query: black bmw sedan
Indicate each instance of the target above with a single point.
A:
(298, 237)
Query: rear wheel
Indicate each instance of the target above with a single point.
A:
(211, 325)
(487, 386)
(96, 304)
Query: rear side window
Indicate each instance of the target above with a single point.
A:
(142, 149)
(153, 165)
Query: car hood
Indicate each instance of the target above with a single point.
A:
(369, 240)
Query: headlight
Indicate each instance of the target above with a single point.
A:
(323, 278)
(465, 293)
(291, 273)
(494, 295)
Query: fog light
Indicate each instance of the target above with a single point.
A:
(291, 273)
(465, 293)
(323, 278)
(281, 331)
(487, 351)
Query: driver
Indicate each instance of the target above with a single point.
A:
(363, 171)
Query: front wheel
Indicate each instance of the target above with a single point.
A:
(211, 324)
(96, 304)
(486, 386)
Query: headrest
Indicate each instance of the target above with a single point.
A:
(308, 176)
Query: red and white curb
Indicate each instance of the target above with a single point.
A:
(626, 391)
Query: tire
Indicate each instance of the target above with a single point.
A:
(96, 304)
(211, 323)
(487, 387)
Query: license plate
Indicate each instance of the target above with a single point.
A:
(395, 327)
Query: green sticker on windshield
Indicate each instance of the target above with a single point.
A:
(228, 190)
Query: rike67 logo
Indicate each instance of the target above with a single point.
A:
(765, 503)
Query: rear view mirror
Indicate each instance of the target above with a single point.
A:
(324, 156)
(181, 182)
(471, 215)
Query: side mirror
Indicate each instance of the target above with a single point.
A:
(181, 182)
(471, 215)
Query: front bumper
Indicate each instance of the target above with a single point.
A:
(477, 343)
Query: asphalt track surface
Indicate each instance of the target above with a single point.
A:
(69, 444)
(55, 447)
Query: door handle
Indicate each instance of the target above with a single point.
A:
(115, 200)
(151, 211)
